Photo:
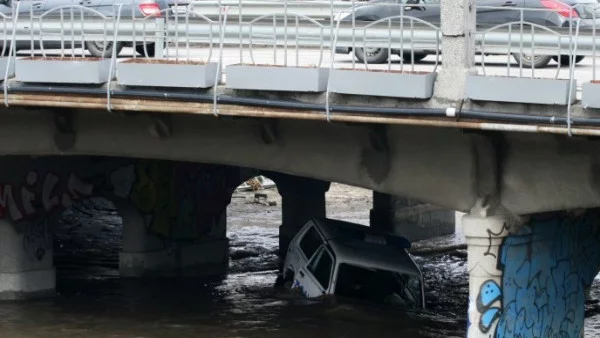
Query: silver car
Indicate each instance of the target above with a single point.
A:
(107, 8)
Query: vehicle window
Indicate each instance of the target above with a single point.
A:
(320, 267)
(310, 242)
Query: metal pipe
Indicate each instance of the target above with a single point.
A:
(191, 97)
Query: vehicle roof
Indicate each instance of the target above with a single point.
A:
(331, 229)
(348, 242)
(371, 255)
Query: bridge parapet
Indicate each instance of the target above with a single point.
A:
(294, 49)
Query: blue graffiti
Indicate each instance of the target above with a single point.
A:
(488, 294)
(547, 265)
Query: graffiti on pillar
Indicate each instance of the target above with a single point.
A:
(36, 239)
(489, 294)
(178, 200)
(546, 266)
(36, 196)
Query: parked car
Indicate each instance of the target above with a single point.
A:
(135, 8)
(560, 15)
(351, 260)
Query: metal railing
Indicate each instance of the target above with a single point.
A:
(499, 40)
(285, 29)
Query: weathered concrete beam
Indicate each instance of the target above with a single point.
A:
(536, 173)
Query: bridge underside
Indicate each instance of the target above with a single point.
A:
(454, 168)
(494, 176)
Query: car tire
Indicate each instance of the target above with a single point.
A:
(565, 60)
(537, 61)
(101, 49)
(413, 58)
(148, 52)
(372, 55)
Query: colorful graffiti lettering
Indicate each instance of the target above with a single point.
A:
(181, 201)
(546, 266)
(177, 200)
(48, 193)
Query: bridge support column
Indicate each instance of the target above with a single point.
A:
(174, 221)
(301, 199)
(409, 218)
(26, 260)
(148, 254)
(529, 280)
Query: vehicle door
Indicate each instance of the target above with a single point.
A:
(303, 247)
(315, 278)
(495, 12)
(426, 10)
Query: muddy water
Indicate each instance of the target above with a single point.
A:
(93, 302)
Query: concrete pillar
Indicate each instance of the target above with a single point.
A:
(301, 199)
(174, 218)
(26, 260)
(410, 218)
(458, 18)
(146, 253)
(529, 280)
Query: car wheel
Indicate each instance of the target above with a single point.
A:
(537, 61)
(413, 58)
(566, 59)
(101, 49)
(148, 52)
(372, 55)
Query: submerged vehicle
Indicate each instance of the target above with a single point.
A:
(350, 260)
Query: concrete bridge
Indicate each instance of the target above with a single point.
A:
(526, 173)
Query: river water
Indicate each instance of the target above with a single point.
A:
(94, 302)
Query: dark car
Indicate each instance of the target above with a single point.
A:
(559, 14)
(108, 8)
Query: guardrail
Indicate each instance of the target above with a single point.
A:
(499, 41)
(245, 8)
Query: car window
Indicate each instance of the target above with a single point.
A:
(320, 267)
(310, 242)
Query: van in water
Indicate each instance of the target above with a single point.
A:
(329, 257)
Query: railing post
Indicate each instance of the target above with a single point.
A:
(159, 39)
(458, 19)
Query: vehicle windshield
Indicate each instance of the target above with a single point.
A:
(379, 286)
